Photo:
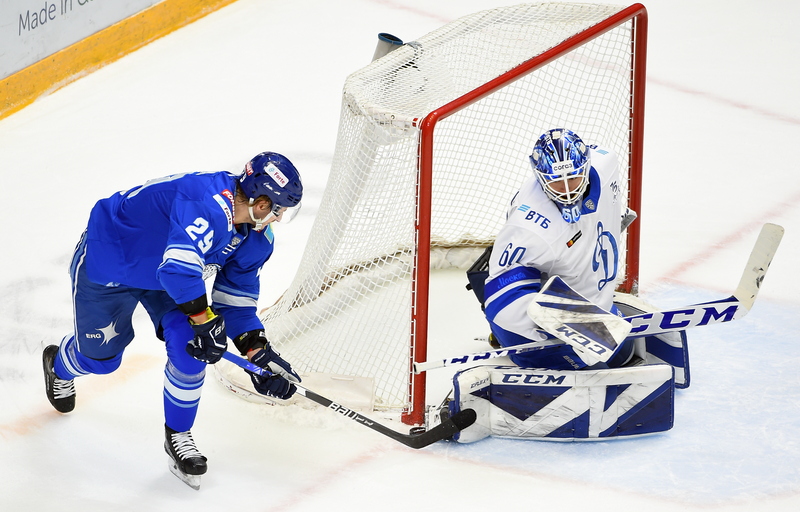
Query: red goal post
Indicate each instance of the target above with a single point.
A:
(636, 15)
(433, 141)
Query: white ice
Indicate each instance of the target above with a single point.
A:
(722, 131)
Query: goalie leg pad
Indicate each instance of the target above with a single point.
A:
(668, 348)
(530, 403)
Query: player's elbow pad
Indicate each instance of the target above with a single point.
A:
(194, 307)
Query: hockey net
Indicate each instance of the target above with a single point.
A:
(433, 141)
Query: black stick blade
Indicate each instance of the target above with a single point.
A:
(464, 419)
(454, 424)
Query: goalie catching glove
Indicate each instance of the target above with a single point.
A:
(280, 383)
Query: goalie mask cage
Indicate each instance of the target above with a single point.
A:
(433, 141)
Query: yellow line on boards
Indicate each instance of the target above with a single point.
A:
(19, 90)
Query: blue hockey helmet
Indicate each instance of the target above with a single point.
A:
(272, 175)
(558, 157)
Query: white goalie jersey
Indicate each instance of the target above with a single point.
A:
(536, 242)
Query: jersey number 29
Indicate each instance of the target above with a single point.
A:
(198, 230)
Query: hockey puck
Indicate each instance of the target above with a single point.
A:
(416, 431)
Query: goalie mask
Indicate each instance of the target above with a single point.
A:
(561, 162)
(272, 175)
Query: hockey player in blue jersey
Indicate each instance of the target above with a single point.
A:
(150, 245)
(565, 221)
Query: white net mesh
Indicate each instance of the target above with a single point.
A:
(348, 310)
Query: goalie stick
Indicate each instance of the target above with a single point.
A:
(445, 430)
(734, 307)
(646, 324)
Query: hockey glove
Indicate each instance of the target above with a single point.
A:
(279, 384)
(210, 339)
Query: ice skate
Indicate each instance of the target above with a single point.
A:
(60, 392)
(185, 461)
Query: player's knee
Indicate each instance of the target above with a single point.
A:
(554, 357)
(100, 366)
(74, 361)
(177, 333)
(183, 362)
(622, 355)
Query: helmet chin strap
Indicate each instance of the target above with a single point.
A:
(259, 222)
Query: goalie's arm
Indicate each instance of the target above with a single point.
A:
(714, 312)
(646, 324)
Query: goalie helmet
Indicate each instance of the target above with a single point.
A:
(272, 175)
(559, 156)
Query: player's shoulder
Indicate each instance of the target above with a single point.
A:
(213, 193)
(531, 209)
(604, 160)
(601, 150)
(531, 223)
(200, 183)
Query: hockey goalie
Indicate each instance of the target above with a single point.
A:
(547, 285)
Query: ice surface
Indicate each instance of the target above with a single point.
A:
(723, 118)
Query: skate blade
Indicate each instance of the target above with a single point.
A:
(192, 481)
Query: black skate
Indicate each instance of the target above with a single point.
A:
(60, 392)
(185, 461)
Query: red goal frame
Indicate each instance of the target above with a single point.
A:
(421, 281)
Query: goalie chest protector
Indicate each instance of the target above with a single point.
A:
(564, 405)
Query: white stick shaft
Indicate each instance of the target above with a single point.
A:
(476, 357)
(760, 259)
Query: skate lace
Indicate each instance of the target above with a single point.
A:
(63, 388)
(184, 445)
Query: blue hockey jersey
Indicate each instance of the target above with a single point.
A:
(163, 234)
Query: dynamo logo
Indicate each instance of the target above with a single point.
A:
(606, 257)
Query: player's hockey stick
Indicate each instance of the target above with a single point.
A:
(445, 430)
(732, 308)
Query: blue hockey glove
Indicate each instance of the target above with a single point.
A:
(210, 339)
(279, 384)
